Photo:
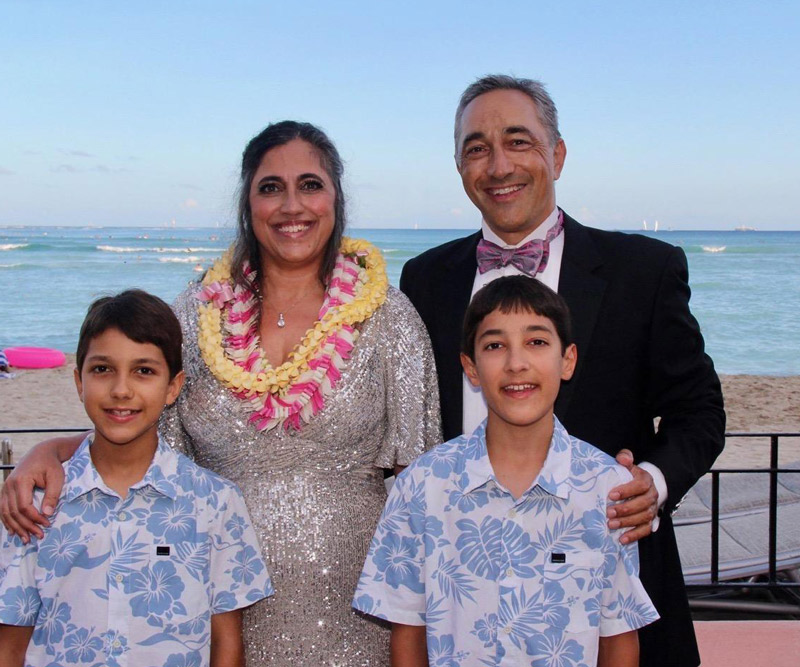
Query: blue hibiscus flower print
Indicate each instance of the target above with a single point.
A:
(552, 649)
(224, 601)
(52, 622)
(247, 564)
(441, 652)
(82, 646)
(92, 507)
(365, 603)
(23, 603)
(466, 502)
(486, 629)
(236, 526)
(155, 589)
(192, 659)
(587, 459)
(172, 520)
(396, 559)
(57, 553)
(200, 481)
(445, 461)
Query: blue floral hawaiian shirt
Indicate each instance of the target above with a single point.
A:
(498, 581)
(133, 582)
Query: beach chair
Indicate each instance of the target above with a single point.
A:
(743, 527)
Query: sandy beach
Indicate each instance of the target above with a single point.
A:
(754, 403)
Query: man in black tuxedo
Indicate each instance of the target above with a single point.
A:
(640, 351)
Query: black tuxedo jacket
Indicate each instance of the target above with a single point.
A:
(640, 358)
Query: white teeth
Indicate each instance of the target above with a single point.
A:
(121, 413)
(291, 229)
(518, 387)
(505, 191)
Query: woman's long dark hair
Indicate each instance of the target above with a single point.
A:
(274, 135)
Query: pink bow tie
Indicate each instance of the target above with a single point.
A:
(530, 258)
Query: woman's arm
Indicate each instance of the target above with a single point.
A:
(41, 468)
(227, 647)
(409, 646)
(619, 650)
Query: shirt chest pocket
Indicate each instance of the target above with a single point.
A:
(572, 589)
(178, 580)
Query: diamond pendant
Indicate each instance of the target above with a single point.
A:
(281, 321)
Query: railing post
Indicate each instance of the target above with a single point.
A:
(714, 527)
(773, 509)
(5, 456)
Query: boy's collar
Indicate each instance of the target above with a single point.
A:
(553, 477)
(82, 477)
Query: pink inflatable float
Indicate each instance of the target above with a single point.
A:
(34, 357)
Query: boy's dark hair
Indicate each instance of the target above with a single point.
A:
(515, 293)
(142, 317)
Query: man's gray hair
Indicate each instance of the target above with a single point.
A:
(546, 108)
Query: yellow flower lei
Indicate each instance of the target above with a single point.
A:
(372, 285)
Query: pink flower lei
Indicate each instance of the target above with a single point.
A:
(295, 391)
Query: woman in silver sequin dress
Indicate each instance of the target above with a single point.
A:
(313, 482)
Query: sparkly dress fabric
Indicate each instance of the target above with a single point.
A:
(315, 496)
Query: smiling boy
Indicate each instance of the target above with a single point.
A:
(149, 559)
(493, 549)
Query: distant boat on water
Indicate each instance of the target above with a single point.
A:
(714, 248)
(644, 226)
(744, 228)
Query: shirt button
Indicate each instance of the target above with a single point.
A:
(117, 643)
(118, 578)
(507, 630)
(122, 516)
(510, 572)
(512, 513)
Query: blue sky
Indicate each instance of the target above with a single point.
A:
(137, 113)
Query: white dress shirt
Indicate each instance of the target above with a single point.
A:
(475, 410)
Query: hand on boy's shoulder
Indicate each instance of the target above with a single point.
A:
(639, 506)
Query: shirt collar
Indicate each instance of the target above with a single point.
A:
(539, 233)
(553, 477)
(82, 477)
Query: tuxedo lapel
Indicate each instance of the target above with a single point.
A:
(453, 295)
(460, 268)
(583, 290)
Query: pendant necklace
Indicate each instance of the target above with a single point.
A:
(281, 320)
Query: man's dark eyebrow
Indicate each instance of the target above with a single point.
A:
(517, 129)
(511, 129)
(472, 136)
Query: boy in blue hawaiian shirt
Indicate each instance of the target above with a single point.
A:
(493, 548)
(149, 559)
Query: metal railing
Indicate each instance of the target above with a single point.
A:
(783, 588)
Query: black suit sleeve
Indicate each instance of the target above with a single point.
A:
(683, 388)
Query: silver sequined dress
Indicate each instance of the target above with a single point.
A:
(315, 496)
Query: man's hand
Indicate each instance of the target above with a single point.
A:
(640, 502)
(19, 516)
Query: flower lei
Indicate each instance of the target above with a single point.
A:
(296, 390)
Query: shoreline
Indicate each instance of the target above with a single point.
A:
(47, 398)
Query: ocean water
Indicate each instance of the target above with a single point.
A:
(745, 285)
